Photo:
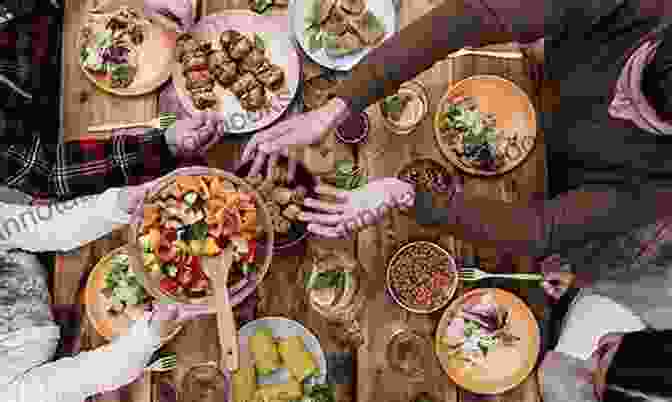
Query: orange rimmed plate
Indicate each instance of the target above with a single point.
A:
(514, 113)
(108, 325)
(155, 53)
(505, 367)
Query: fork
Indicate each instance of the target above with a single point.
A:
(487, 53)
(475, 274)
(164, 120)
(164, 363)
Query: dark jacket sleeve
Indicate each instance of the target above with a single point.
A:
(542, 228)
(455, 24)
(642, 363)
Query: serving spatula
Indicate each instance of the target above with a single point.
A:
(218, 268)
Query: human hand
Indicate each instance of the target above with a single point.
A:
(557, 283)
(192, 137)
(181, 10)
(132, 199)
(601, 360)
(299, 130)
(356, 209)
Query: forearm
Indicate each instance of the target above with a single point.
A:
(62, 226)
(90, 373)
(545, 227)
(449, 27)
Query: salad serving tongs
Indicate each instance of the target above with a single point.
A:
(474, 274)
(218, 268)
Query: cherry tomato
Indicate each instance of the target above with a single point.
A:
(252, 251)
(440, 280)
(168, 285)
(423, 295)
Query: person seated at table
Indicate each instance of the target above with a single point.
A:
(609, 132)
(28, 334)
(32, 159)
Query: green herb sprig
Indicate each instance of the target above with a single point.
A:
(326, 280)
(348, 176)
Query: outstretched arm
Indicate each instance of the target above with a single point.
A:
(543, 228)
(63, 226)
(455, 24)
(89, 373)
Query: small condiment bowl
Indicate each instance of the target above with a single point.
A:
(452, 269)
(417, 91)
(354, 130)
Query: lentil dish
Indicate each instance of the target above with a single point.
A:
(422, 276)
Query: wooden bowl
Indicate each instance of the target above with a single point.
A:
(107, 325)
(452, 269)
(263, 261)
(514, 114)
(506, 367)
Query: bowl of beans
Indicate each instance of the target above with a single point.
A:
(422, 277)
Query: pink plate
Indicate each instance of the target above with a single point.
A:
(275, 33)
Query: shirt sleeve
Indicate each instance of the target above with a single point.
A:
(41, 228)
(455, 24)
(85, 167)
(542, 228)
(90, 373)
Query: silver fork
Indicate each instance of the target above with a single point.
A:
(164, 363)
(475, 274)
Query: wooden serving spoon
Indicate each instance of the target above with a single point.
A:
(217, 268)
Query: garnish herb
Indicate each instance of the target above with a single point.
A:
(393, 104)
(347, 176)
(199, 231)
(329, 279)
(259, 42)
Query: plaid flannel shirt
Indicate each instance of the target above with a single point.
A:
(32, 157)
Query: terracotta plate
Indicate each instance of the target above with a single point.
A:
(505, 367)
(155, 54)
(279, 50)
(386, 10)
(106, 324)
(514, 112)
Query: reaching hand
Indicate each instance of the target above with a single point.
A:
(356, 209)
(193, 137)
(182, 10)
(299, 130)
(132, 199)
(557, 283)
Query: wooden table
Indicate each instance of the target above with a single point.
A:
(282, 292)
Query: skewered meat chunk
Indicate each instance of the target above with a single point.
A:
(241, 48)
(272, 77)
(352, 6)
(253, 61)
(218, 57)
(226, 74)
(244, 84)
(201, 83)
(185, 45)
(228, 38)
(254, 99)
(203, 99)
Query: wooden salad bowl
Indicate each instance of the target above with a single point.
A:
(262, 262)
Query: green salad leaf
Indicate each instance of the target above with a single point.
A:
(374, 23)
(198, 231)
(329, 279)
(393, 104)
(259, 42)
(312, 17)
(262, 6)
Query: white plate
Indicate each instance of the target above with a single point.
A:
(384, 9)
(280, 50)
(283, 328)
